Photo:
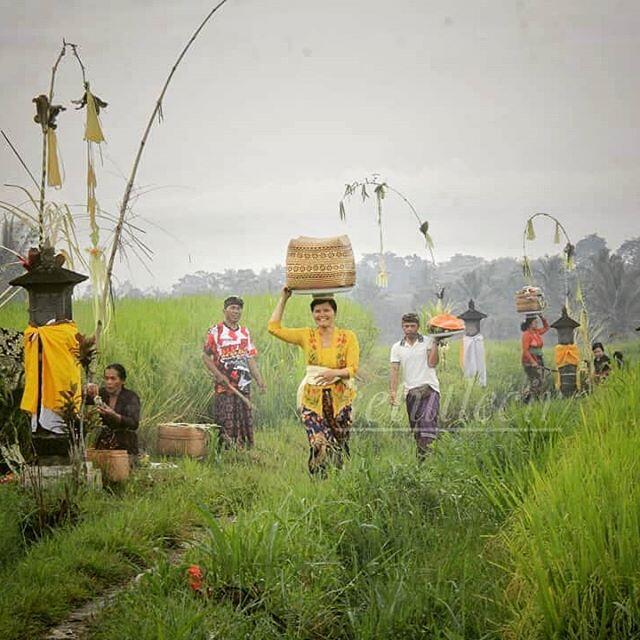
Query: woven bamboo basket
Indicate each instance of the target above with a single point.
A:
(530, 300)
(114, 463)
(178, 439)
(320, 263)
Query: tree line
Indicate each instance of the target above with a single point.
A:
(609, 281)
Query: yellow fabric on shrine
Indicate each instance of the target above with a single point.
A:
(344, 352)
(93, 131)
(566, 354)
(54, 178)
(60, 368)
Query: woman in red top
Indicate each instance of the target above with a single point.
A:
(532, 361)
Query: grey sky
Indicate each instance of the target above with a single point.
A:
(481, 112)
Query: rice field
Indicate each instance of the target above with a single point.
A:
(522, 524)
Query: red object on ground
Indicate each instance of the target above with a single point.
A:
(196, 576)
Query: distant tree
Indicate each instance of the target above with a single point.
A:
(458, 265)
(629, 252)
(200, 282)
(613, 294)
(127, 290)
(273, 279)
(469, 286)
(589, 246)
(550, 273)
(240, 282)
(607, 280)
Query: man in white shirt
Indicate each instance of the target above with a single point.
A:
(416, 356)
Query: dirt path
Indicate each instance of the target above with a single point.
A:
(78, 623)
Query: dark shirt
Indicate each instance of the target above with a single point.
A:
(602, 365)
(120, 434)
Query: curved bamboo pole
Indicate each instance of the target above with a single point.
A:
(526, 258)
(374, 182)
(157, 112)
(584, 333)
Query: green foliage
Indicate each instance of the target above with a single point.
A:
(164, 358)
(522, 523)
(11, 541)
(574, 538)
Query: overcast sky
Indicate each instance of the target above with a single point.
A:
(481, 111)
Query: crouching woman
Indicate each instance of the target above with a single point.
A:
(119, 410)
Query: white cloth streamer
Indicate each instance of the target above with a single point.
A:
(473, 358)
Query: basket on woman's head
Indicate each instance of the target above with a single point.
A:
(317, 265)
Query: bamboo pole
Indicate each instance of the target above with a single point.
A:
(157, 111)
(45, 129)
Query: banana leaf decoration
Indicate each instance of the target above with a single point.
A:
(526, 268)
(42, 111)
(98, 274)
(579, 294)
(380, 190)
(424, 230)
(85, 351)
(570, 252)
(382, 279)
(92, 183)
(93, 131)
(531, 234)
(92, 205)
(556, 235)
(54, 177)
(46, 114)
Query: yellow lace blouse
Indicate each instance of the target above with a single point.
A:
(344, 352)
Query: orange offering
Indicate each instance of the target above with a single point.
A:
(445, 322)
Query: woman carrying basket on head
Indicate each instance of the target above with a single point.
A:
(532, 361)
(327, 391)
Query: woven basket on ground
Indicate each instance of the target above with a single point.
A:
(320, 263)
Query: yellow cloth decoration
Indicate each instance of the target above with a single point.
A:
(91, 194)
(344, 352)
(60, 368)
(93, 130)
(566, 354)
(54, 177)
(382, 279)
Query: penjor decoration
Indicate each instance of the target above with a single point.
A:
(380, 189)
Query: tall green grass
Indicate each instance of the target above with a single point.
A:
(388, 547)
(522, 524)
(160, 344)
(574, 539)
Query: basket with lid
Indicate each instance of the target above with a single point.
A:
(317, 265)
